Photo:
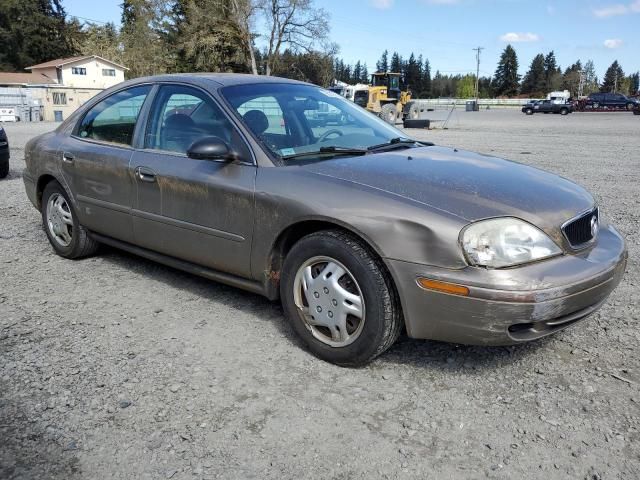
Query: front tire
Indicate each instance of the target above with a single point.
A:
(389, 113)
(564, 111)
(629, 106)
(68, 238)
(528, 111)
(339, 298)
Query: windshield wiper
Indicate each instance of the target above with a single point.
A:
(329, 150)
(398, 142)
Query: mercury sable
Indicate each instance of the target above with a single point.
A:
(357, 229)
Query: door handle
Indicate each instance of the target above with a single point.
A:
(68, 157)
(145, 174)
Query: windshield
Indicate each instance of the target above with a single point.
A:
(293, 120)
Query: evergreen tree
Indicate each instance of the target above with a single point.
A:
(550, 72)
(102, 40)
(635, 83)
(364, 77)
(426, 90)
(534, 81)
(383, 63)
(506, 80)
(396, 63)
(144, 52)
(357, 73)
(35, 31)
(612, 77)
(209, 37)
(412, 74)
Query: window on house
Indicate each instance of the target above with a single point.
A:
(108, 72)
(59, 98)
(78, 70)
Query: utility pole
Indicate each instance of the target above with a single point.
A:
(615, 84)
(477, 50)
(581, 84)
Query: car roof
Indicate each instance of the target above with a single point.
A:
(217, 79)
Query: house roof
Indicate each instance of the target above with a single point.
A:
(58, 62)
(20, 78)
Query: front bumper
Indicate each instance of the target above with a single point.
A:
(515, 305)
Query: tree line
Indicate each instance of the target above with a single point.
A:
(170, 36)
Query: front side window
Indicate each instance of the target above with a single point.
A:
(182, 115)
(291, 119)
(59, 98)
(108, 72)
(114, 119)
(78, 70)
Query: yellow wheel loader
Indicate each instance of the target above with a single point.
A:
(387, 99)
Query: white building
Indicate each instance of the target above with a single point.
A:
(61, 86)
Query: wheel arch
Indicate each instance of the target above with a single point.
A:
(42, 183)
(290, 235)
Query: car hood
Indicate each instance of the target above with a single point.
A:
(466, 184)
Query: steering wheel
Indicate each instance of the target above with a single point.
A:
(326, 134)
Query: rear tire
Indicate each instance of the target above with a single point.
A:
(309, 298)
(68, 238)
(414, 112)
(4, 168)
(389, 113)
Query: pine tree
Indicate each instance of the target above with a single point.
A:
(612, 77)
(534, 81)
(635, 83)
(506, 80)
(383, 63)
(357, 72)
(550, 66)
(396, 63)
(412, 73)
(364, 77)
(426, 90)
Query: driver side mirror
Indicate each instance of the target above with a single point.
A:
(211, 148)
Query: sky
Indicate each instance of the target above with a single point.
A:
(446, 31)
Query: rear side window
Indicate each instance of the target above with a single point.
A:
(114, 119)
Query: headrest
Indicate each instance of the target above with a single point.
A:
(257, 121)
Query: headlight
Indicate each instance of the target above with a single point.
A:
(505, 242)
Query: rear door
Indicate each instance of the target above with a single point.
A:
(95, 162)
(201, 211)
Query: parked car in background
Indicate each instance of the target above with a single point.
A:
(614, 101)
(360, 231)
(547, 106)
(4, 153)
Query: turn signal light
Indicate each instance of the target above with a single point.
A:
(445, 287)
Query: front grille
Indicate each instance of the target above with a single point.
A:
(583, 229)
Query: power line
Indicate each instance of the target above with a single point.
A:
(92, 20)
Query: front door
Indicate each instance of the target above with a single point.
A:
(201, 211)
(95, 163)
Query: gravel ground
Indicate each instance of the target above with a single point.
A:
(116, 367)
